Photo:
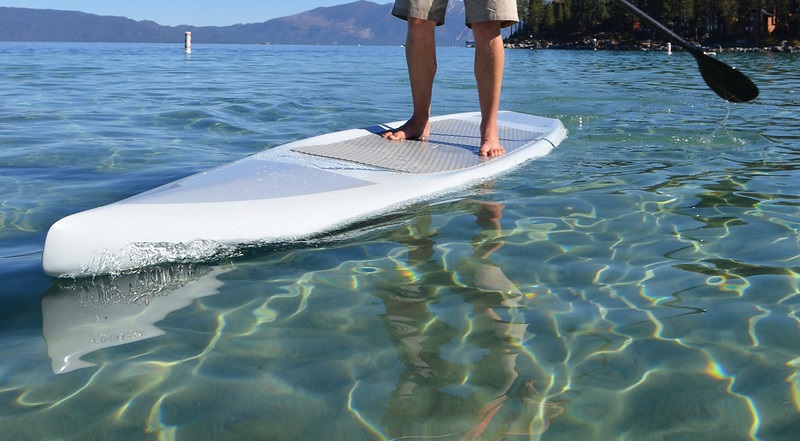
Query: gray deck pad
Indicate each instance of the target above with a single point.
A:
(453, 145)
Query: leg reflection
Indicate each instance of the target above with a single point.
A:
(462, 380)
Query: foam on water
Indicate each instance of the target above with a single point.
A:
(150, 254)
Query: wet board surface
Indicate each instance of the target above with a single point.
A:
(287, 193)
(453, 145)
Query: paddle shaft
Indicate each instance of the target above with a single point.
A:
(658, 27)
(727, 82)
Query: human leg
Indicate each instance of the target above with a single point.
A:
(421, 61)
(486, 18)
(489, 64)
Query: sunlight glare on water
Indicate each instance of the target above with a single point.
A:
(639, 283)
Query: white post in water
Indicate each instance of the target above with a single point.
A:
(669, 48)
(187, 42)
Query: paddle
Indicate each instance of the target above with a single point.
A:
(726, 81)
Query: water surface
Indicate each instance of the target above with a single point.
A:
(639, 283)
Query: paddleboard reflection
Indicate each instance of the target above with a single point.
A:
(85, 315)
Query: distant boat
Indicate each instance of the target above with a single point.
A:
(470, 44)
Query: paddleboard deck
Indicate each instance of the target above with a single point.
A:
(292, 192)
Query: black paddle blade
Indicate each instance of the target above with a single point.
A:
(726, 81)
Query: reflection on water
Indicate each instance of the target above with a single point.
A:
(85, 315)
(463, 375)
(459, 367)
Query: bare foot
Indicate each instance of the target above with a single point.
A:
(491, 148)
(490, 139)
(412, 130)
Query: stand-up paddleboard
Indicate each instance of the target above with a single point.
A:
(291, 192)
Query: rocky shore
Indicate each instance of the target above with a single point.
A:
(598, 44)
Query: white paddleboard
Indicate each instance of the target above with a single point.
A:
(291, 192)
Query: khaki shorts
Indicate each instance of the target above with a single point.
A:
(478, 11)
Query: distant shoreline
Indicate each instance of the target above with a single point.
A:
(598, 44)
(528, 44)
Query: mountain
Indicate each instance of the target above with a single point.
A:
(360, 22)
(22, 24)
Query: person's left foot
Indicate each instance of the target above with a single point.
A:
(491, 148)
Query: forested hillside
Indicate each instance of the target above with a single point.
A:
(725, 22)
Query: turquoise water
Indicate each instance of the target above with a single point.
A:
(643, 283)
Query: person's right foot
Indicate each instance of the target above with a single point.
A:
(411, 130)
